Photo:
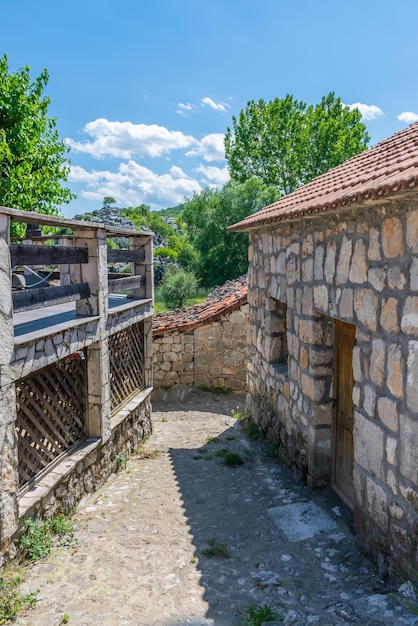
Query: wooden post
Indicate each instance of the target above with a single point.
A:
(65, 273)
(94, 272)
(143, 268)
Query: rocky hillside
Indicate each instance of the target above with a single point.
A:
(112, 216)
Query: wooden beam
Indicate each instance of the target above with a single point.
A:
(47, 255)
(116, 285)
(47, 296)
(29, 217)
(126, 256)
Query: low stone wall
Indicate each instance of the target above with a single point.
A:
(88, 467)
(213, 354)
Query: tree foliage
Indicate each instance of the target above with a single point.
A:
(107, 201)
(222, 255)
(177, 286)
(286, 143)
(33, 161)
(143, 216)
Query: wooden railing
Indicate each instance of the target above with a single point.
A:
(82, 264)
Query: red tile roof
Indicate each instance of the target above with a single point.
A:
(219, 302)
(388, 168)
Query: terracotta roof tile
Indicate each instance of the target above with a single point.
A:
(221, 301)
(388, 168)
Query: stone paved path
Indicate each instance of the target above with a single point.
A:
(139, 558)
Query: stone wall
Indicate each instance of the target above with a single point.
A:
(361, 267)
(212, 354)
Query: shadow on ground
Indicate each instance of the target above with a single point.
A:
(255, 532)
(260, 539)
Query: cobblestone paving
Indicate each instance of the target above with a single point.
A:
(142, 539)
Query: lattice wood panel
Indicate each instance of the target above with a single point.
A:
(51, 415)
(126, 364)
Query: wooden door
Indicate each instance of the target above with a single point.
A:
(343, 449)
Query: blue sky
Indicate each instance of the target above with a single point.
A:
(144, 90)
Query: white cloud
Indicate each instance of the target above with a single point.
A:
(177, 172)
(123, 140)
(408, 117)
(185, 108)
(134, 184)
(213, 175)
(368, 111)
(216, 106)
(211, 148)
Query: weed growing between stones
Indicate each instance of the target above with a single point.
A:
(145, 453)
(232, 459)
(120, 460)
(249, 427)
(11, 600)
(278, 452)
(37, 539)
(65, 618)
(239, 414)
(36, 542)
(251, 430)
(258, 614)
(408, 591)
(216, 550)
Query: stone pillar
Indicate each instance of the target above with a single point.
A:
(9, 481)
(316, 363)
(98, 394)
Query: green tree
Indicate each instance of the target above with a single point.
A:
(222, 255)
(107, 201)
(33, 161)
(287, 143)
(177, 286)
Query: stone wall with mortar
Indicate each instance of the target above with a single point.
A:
(213, 354)
(361, 267)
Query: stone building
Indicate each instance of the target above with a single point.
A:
(333, 354)
(204, 345)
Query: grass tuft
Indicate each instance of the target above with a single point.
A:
(258, 614)
(216, 550)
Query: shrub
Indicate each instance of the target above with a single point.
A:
(177, 287)
(165, 253)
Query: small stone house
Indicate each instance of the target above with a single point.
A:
(333, 354)
(204, 345)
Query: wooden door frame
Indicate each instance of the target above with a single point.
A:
(346, 497)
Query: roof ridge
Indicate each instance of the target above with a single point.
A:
(388, 167)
